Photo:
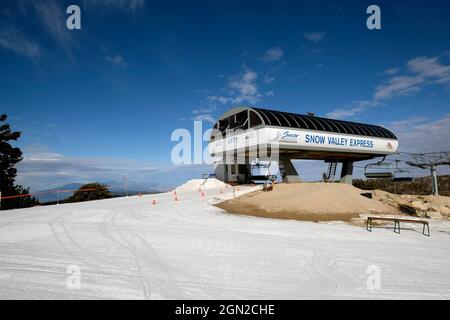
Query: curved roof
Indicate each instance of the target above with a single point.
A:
(309, 122)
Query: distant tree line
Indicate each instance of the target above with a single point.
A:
(90, 191)
(420, 186)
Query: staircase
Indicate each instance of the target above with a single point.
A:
(331, 172)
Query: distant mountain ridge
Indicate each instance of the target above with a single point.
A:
(117, 188)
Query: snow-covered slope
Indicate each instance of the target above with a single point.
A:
(130, 248)
(198, 184)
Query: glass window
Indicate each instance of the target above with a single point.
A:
(361, 129)
(341, 127)
(332, 124)
(224, 124)
(370, 130)
(272, 119)
(311, 125)
(282, 119)
(386, 133)
(377, 132)
(347, 127)
(256, 117)
(301, 122)
(239, 120)
(324, 125)
(292, 120)
(255, 120)
(264, 116)
(354, 128)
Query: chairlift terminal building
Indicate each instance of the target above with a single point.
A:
(255, 134)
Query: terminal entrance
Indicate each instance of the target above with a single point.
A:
(284, 170)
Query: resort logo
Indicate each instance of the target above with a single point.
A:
(288, 136)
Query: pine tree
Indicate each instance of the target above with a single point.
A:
(9, 157)
(90, 191)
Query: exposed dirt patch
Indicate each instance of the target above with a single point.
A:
(308, 202)
(435, 207)
(252, 210)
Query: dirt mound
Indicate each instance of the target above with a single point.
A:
(435, 207)
(308, 201)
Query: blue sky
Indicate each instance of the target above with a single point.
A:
(102, 102)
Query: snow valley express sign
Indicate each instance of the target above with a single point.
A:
(299, 139)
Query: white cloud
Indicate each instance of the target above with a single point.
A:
(208, 109)
(243, 87)
(313, 51)
(273, 54)
(42, 168)
(419, 134)
(131, 6)
(51, 17)
(240, 88)
(268, 78)
(399, 86)
(204, 114)
(205, 117)
(406, 124)
(391, 72)
(428, 67)
(355, 108)
(116, 60)
(14, 40)
(219, 99)
(315, 36)
(51, 13)
(421, 72)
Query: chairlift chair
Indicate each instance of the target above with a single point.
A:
(402, 174)
(379, 170)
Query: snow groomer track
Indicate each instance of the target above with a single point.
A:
(130, 248)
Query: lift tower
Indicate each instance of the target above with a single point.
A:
(431, 161)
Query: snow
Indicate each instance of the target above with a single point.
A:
(188, 249)
(197, 184)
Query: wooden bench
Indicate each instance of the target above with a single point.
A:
(397, 223)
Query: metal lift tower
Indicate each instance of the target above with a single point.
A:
(431, 161)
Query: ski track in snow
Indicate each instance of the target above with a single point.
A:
(127, 248)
